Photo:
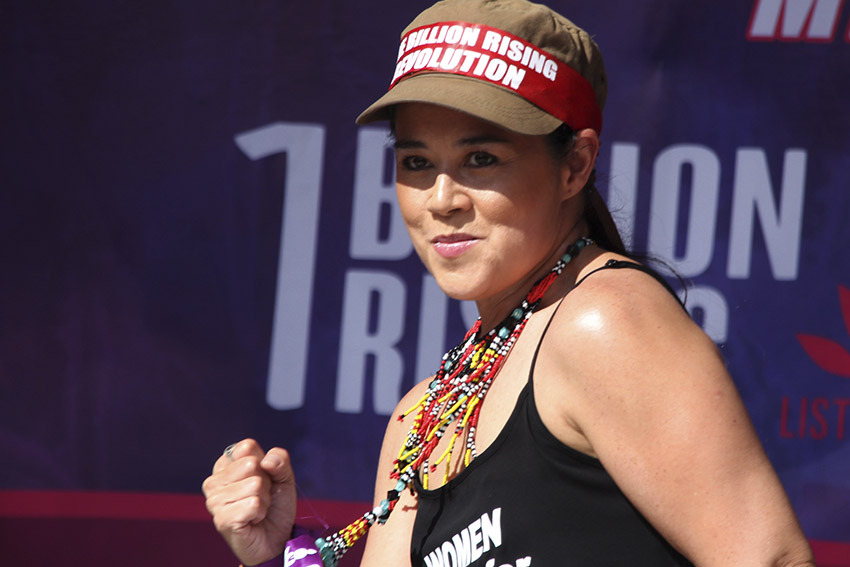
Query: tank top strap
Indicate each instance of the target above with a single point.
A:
(609, 265)
(620, 264)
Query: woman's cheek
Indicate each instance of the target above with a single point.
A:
(411, 209)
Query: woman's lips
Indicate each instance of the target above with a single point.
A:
(453, 245)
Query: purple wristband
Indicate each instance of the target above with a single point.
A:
(300, 551)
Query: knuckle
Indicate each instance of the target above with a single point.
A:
(208, 486)
(214, 505)
(253, 507)
(250, 465)
(255, 484)
(243, 468)
(220, 523)
(244, 448)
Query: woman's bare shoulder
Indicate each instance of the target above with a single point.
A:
(619, 304)
(618, 336)
(621, 337)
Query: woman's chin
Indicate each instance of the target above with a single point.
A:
(459, 288)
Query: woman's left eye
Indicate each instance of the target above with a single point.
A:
(482, 159)
(414, 163)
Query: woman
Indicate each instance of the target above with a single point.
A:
(613, 434)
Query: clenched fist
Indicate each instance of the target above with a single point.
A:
(251, 496)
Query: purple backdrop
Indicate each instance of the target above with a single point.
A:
(198, 244)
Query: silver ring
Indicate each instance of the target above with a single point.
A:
(229, 451)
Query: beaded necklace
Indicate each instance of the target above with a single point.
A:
(454, 395)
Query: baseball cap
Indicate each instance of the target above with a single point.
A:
(514, 63)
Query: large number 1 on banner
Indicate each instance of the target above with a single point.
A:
(304, 145)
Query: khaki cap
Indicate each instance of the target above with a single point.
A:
(514, 63)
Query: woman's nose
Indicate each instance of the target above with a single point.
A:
(447, 196)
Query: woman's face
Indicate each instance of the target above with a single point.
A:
(485, 207)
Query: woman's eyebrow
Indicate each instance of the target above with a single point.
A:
(408, 144)
(470, 141)
(482, 139)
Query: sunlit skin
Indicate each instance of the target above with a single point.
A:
(489, 211)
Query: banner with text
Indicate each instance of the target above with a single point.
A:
(200, 245)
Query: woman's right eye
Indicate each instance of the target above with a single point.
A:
(414, 163)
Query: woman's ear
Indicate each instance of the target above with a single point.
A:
(579, 162)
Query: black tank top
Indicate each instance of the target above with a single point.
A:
(530, 501)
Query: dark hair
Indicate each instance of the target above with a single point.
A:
(561, 142)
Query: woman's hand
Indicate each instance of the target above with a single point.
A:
(251, 496)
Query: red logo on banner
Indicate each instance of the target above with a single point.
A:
(820, 417)
(811, 21)
(826, 353)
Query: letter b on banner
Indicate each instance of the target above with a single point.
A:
(374, 203)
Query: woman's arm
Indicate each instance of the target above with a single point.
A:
(648, 393)
(388, 545)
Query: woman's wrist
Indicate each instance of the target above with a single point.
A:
(300, 551)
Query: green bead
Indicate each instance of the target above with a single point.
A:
(517, 314)
(504, 332)
(567, 258)
(328, 558)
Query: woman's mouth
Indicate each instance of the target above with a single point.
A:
(453, 245)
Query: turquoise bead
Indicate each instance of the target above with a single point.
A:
(517, 314)
(328, 558)
(400, 486)
(566, 258)
(504, 332)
